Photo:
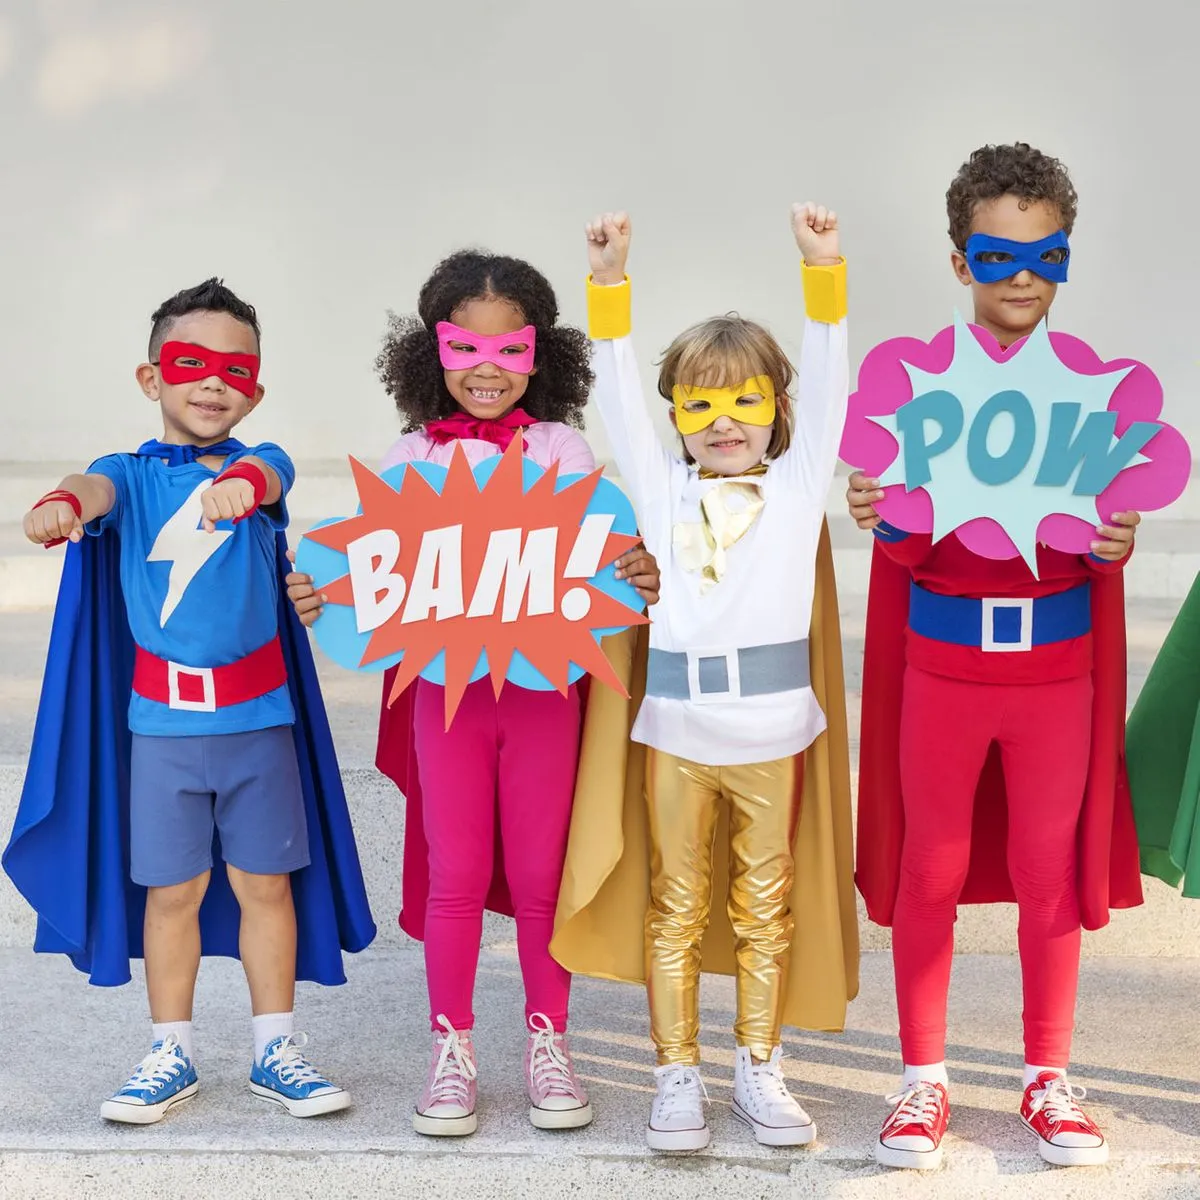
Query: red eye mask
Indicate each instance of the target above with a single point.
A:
(185, 362)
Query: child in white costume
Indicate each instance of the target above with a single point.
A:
(729, 706)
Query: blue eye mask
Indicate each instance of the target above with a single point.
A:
(1002, 259)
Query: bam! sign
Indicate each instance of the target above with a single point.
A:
(454, 574)
(1039, 443)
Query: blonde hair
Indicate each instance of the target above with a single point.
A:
(724, 352)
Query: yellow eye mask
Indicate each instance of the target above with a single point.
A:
(752, 402)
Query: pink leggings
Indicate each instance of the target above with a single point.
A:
(1044, 735)
(514, 757)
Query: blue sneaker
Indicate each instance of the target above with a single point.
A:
(163, 1078)
(286, 1077)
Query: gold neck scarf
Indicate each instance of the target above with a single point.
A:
(760, 469)
(703, 545)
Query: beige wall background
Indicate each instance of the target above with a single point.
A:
(322, 157)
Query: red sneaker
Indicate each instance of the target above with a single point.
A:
(1067, 1136)
(912, 1136)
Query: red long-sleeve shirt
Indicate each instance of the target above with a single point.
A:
(950, 569)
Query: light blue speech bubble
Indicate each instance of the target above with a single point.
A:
(1016, 440)
(336, 629)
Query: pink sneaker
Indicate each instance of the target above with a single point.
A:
(556, 1097)
(447, 1105)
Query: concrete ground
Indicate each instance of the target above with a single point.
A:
(1137, 1049)
(1143, 1078)
(65, 1046)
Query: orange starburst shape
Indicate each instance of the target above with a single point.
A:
(476, 570)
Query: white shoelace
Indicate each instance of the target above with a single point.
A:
(915, 1105)
(549, 1066)
(680, 1087)
(159, 1067)
(293, 1066)
(769, 1082)
(1058, 1101)
(455, 1068)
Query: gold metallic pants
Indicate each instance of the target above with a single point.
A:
(684, 800)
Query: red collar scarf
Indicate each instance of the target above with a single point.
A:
(499, 432)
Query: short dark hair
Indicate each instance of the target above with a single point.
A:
(210, 296)
(1010, 170)
(409, 366)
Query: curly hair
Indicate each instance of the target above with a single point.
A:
(1013, 170)
(411, 371)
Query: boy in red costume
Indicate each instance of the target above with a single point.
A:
(991, 776)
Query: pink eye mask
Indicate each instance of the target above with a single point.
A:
(495, 350)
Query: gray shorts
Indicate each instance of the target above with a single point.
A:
(245, 785)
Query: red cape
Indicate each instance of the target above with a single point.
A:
(396, 757)
(1108, 873)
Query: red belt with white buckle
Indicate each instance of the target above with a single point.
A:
(205, 689)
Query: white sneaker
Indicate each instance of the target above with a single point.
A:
(677, 1114)
(761, 1099)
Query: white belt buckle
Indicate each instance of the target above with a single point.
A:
(732, 675)
(987, 641)
(208, 703)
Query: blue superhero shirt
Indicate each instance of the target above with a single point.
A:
(199, 599)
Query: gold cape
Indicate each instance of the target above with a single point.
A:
(599, 926)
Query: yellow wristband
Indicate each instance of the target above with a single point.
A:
(609, 310)
(825, 292)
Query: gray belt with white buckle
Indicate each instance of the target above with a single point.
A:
(706, 677)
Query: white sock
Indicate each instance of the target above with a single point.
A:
(930, 1073)
(182, 1031)
(267, 1028)
(1032, 1072)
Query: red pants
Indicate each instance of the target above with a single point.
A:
(1044, 734)
(514, 758)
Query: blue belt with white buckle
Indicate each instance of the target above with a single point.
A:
(1005, 623)
(711, 676)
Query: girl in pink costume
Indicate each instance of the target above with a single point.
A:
(485, 362)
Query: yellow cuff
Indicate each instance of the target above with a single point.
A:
(609, 310)
(825, 292)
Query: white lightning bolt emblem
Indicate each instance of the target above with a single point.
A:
(187, 547)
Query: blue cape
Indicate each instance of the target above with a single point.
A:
(69, 850)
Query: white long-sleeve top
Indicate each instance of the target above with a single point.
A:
(766, 593)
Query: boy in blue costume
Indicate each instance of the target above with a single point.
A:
(212, 820)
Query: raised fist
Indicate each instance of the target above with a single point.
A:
(816, 230)
(608, 247)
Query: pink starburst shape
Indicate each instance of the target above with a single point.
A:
(885, 385)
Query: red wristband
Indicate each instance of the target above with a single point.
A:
(254, 476)
(65, 498)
